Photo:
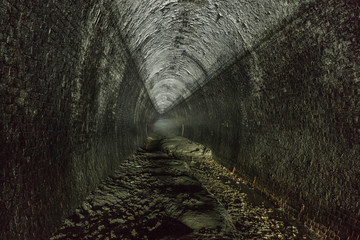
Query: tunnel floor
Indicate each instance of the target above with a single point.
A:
(174, 190)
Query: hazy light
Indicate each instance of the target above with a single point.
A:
(166, 127)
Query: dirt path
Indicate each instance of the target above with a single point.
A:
(179, 193)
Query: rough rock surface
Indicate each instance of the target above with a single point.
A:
(183, 148)
(156, 196)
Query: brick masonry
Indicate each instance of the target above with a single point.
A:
(287, 114)
(71, 107)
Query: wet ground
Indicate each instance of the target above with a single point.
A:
(172, 189)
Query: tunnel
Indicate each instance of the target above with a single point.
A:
(271, 87)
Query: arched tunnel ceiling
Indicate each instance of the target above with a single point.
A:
(177, 44)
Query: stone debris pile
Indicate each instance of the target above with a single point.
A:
(176, 193)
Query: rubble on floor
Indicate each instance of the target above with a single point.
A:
(176, 193)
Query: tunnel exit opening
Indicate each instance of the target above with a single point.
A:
(166, 127)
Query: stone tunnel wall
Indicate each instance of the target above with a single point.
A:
(287, 114)
(71, 107)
